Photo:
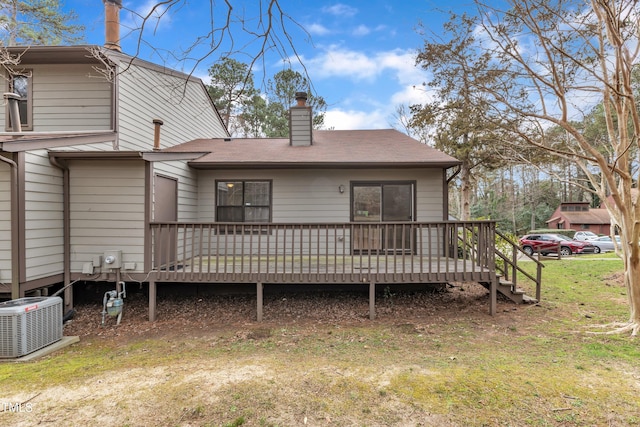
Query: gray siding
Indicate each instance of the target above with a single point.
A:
(5, 223)
(43, 216)
(313, 196)
(107, 211)
(184, 107)
(68, 98)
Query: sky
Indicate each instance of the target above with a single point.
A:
(359, 54)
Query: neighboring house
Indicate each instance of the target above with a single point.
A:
(579, 216)
(78, 179)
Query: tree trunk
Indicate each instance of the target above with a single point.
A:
(632, 283)
(630, 240)
(465, 192)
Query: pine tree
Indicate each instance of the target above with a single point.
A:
(37, 22)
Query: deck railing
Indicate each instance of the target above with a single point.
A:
(507, 265)
(395, 252)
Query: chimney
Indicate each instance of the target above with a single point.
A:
(300, 124)
(156, 133)
(112, 24)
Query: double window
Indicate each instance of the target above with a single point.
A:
(243, 201)
(20, 84)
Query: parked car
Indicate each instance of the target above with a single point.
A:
(585, 235)
(604, 244)
(549, 243)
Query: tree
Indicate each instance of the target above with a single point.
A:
(457, 113)
(231, 89)
(249, 113)
(250, 29)
(282, 88)
(551, 59)
(37, 22)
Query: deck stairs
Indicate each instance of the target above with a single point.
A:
(507, 254)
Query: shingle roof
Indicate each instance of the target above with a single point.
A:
(330, 148)
(593, 216)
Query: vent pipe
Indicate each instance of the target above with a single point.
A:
(14, 111)
(112, 24)
(156, 133)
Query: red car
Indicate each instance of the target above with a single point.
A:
(548, 243)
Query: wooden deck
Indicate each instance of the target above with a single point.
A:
(323, 253)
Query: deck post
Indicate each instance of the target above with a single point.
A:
(152, 300)
(259, 295)
(493, 299)
(372, 300)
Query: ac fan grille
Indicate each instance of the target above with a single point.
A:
(29, 324)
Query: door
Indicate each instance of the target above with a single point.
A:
(380, 203)
(166, 210)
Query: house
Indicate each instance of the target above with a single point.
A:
(123, 172)
(77, 166)
(579, 216)
(324, 206)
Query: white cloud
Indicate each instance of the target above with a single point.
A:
(317, 29)
(410, 95)
(340, 9)
(338, 62)
(361, 30)
(340, 119)
(356, 65)
(157, 17)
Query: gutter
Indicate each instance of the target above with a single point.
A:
(15, 236)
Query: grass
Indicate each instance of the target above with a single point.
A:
(533, 365)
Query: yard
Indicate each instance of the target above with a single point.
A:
(430, 358)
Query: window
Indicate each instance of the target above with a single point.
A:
(384, 201)
(243, 201)
(20, 84)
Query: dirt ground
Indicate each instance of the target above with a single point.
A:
(197, 315)
(206, 317)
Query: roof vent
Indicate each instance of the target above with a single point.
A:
(156, 133)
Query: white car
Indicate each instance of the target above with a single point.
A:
(604, 244)
(585, 235)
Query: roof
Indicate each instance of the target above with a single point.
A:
(15, 142)
(593, 216)
(331, 148)
(84, 54)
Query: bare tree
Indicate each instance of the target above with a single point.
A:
(251, 30)
(553, 60)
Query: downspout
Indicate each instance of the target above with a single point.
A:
(66, 227)
(15, 232)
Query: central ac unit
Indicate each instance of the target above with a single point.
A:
(29, 324)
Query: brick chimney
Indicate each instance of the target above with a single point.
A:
(300, 122)
(112, 24)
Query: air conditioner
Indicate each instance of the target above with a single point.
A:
(29, 324)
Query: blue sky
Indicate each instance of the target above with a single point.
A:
(360, 56)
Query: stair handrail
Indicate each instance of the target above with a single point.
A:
(510, 268)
